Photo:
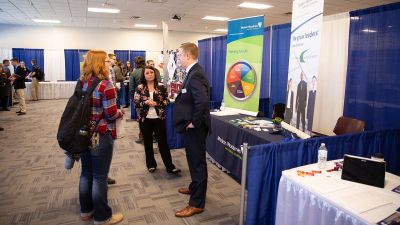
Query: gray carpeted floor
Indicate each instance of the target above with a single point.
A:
(36, 189)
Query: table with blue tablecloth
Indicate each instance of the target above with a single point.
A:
(224, 142)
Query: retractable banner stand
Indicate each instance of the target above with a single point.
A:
(243, 64)
(303, 62)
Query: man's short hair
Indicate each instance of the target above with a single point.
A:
(14, 60)
(191, 49)
(5, 61)
(33, 61)
(111, 55)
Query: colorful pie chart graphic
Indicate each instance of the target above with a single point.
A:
(241, 80)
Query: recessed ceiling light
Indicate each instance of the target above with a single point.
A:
(46, 21)
(145, 25)
(103, 10)
(252, 5)
(221, 30)
(369, 31)
(215, 18)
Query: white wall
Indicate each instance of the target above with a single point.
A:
(17, 36)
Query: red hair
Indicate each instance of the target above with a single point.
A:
(94, 65)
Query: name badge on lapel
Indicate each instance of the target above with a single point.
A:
(183, 91)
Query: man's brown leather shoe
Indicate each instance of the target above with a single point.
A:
(184, 191)
(188, 211)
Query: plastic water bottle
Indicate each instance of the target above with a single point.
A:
(322, 156)
(222, 105)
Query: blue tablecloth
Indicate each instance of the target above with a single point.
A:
(225, 140)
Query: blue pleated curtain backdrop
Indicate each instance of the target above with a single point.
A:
(133, 54)
(27, 54)
(279, 63)
(72, 64)
(123, 55)
(205, 58)
(373, 74)
(218, 59)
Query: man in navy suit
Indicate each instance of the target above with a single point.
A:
(192, 120)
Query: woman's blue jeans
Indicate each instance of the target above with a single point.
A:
(93, 182)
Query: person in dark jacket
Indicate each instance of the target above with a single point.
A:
(127, 75)
(19, 77)
(35, 75)
(134, 81)
(5, 87)
(192, 120)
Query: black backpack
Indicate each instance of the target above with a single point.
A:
(75, 130)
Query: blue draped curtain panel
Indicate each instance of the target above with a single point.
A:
(218, 67)
(27, 54)
(205, 58)
(279, 63)
(373, 77)
(123, 55)
(72, 67)
(133, 54)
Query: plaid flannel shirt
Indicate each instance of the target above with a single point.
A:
(104, 108)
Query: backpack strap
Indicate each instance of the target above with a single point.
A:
(95, 82)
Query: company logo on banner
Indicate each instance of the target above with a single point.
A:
(303, 63)
(243, 64)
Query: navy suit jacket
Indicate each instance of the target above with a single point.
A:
(192, 103)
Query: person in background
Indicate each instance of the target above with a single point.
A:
(109, 64)
(6, 63)
(96, 162)
(35, 80)
(118, 80)
(25, 69)
(150, 62)
(151, 99)
(113, 60)
(128, 72)
(301, 102)
(192, 120)
(5, 87)
(19, 85)
(289, 102)
(134, 81)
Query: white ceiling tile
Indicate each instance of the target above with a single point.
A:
(74, 12)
